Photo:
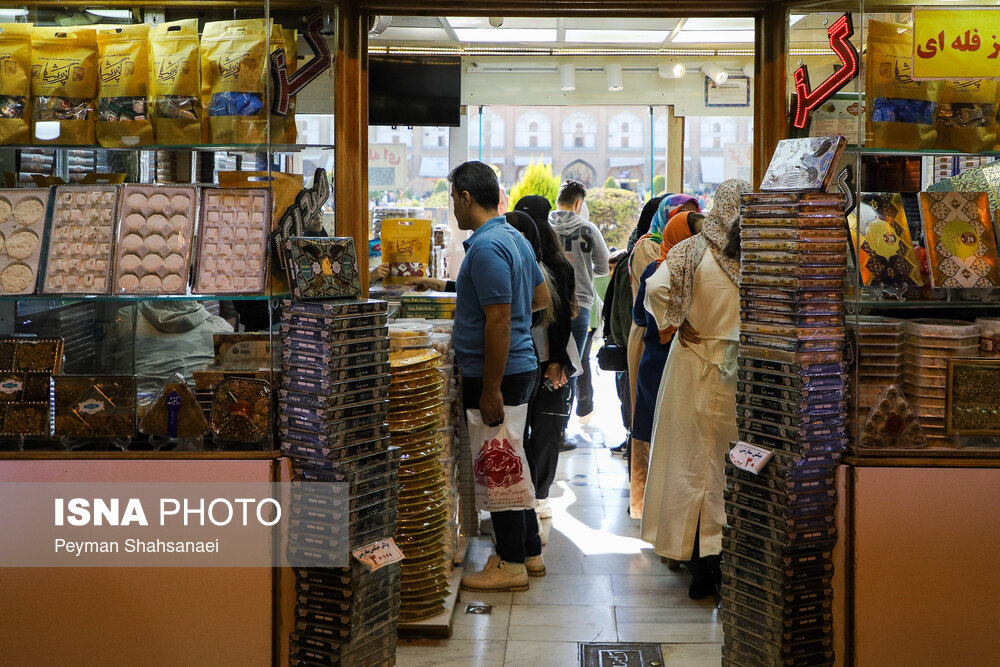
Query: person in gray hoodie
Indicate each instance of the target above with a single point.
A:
(170, 337)
(587, 252)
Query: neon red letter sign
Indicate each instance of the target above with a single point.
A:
(806, 100)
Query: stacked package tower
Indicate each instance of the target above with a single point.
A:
(879, 363)
(415, 409)
(333, 414)
(777, 565)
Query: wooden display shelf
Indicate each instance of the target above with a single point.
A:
(440, 626)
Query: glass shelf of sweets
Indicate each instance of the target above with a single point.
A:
(154, 149)
(921, 308)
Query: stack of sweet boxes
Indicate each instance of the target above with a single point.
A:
(777, 565)
(333, 409)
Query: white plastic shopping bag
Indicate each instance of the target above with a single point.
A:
(500, 468)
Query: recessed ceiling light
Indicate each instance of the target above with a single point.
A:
(715, 24)
(505, 35)
(714, 37)
(617, 36)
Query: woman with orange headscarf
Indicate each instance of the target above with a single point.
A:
(654, 355)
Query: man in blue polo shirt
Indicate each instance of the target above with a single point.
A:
(499, 285)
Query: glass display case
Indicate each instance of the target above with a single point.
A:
(148, 154)
(923, 291)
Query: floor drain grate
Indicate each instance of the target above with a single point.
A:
(484, 609)
(622, 654)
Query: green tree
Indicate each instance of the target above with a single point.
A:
(538, 179)
(612, 183)
(441, 186)
(659, 184)
(615, 212)
(438, 199)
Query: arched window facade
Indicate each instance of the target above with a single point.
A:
(579, 131)
(625, 132)
(533, 129)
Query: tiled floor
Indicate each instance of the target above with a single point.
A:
(603, 583)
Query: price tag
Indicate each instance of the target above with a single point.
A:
(378, 554)
(749, 457)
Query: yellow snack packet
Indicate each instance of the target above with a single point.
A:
(967, 115)
(123, 83)
(15, 83)
(406, 248)
(233, 84)
(175, 83)
(900, 111)
(63, 84)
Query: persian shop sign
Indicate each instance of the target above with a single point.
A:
(956, 44)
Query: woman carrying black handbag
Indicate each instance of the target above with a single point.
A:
(550, 409)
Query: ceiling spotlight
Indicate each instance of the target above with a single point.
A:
(671, 70)
(748, 70)
(615, 78)
(379, 24)
(715, 73)
(567, 77)
(496, 21)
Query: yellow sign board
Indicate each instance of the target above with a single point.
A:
(956, 44)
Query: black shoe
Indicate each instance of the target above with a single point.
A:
(620, 449)
(566, 446)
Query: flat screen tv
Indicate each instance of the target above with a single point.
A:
(414, 90)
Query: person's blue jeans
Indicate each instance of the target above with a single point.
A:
(580, 326)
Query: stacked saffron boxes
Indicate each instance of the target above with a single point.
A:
(777, 565)
(333, 413)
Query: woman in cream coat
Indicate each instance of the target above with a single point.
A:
(695, 289)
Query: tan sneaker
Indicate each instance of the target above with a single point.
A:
(535, 566)
(498, 575)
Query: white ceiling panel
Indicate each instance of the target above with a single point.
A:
(692, 37)
(616, 36)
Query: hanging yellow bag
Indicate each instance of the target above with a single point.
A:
(63, 85)
(15, 83)
(123, 86)
(406, 248)
(233, 84)
(966, 116)
(175, 83)
(900, 111)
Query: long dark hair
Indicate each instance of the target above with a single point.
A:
(645, 220)
(524, 223)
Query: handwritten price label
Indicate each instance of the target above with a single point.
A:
(379, 554)
(749, 457)
(955, 44)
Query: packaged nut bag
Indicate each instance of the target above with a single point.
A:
(123, 85)
(175, 83)
(15, 83)
(233, 83)
(406, 248)
(967, 116)
(901, 112)
(63, 84)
